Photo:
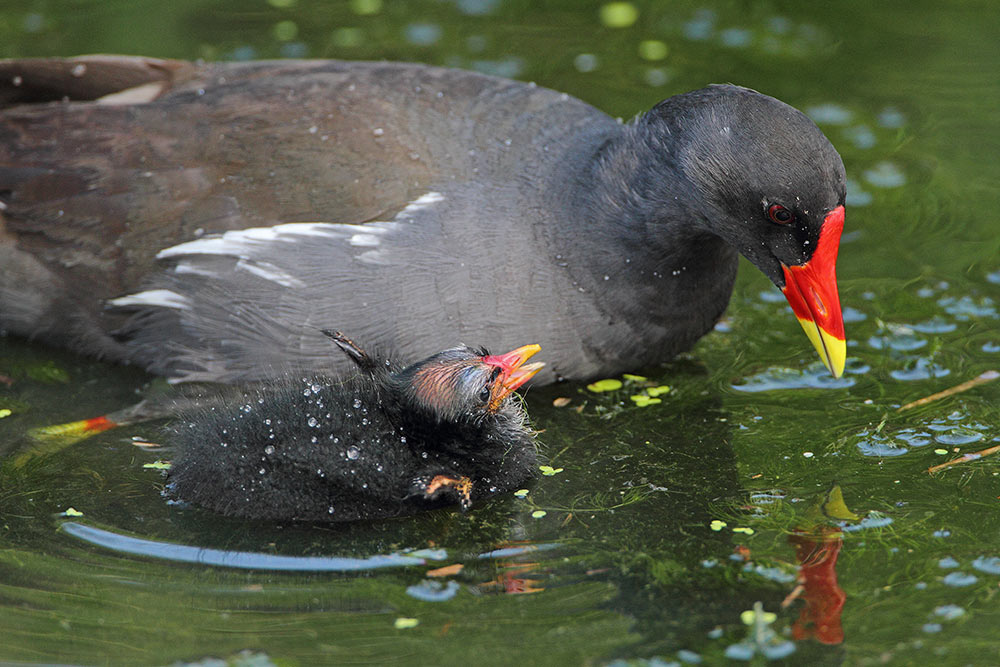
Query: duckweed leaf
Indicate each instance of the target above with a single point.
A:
(404, 623)
(157, 465)
(619, 14)
(641, 400)
(609, 384)
(549, 471)
(752, 616)
(48, 373)
(653, 49)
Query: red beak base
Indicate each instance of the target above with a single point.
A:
(811, 290)
(513, 372)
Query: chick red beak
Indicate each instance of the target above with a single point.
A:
(513, 371)
(811, 290)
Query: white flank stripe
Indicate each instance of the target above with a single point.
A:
(237, 243)
(161, 298)
(303, 229)
(217, 245)
(421, 202)
(368, 240)
(373, 257)
(269, 271)
(185, 266)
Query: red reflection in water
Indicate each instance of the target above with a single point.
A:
(512, 576)
(512, 580)
(817, 552)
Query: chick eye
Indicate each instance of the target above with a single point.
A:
(780, 215)
(484, 394)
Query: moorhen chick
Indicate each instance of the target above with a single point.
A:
(387, 442)
(221, 210)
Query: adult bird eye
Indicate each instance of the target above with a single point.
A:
(779, 214)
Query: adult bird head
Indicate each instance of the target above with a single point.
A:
(773, 187)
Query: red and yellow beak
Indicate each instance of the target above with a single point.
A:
(811, 290)
(513, 372)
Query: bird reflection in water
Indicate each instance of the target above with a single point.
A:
(816, 550)
(824, 599)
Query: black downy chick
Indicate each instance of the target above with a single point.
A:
(387, 442)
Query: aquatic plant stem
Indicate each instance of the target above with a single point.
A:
(982, 378)
(972, 456)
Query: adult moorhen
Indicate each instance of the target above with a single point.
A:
(222, 210)
(388, 442)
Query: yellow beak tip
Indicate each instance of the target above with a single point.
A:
(832, 350)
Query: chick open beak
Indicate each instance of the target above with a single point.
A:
(513, 372)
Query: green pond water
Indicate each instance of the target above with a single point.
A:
(660, 528)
